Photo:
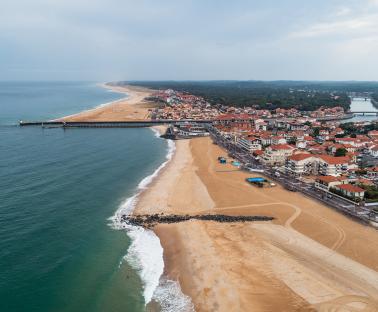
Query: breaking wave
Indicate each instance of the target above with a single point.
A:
(145, 253)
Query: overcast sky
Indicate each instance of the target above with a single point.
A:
(188, 40)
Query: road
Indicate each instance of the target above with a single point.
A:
(292, 183)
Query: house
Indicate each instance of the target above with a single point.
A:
(373, 134)
(260, 124)
(339, 131)
(350, 190)
(363, 181)
(277, 154)
(266, 139)
(373, 150)
(351, 141)
(372, 173)
(276, 140)
(258, 154)
(301, 144)
(324, 183)
(349, 148)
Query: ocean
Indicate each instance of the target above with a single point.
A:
(61, 195)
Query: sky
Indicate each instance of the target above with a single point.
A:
(109, 40)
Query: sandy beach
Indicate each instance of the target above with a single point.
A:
(132, 107)
(309, 258)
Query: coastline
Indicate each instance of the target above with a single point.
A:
(309, 258)
(132, 107)
(145, 254)
(233, 267)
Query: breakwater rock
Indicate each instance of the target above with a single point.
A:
(149, 221)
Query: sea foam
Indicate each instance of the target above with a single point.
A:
(145, 253)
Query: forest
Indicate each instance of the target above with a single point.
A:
(303, 95)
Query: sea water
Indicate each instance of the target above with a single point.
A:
(62, 246)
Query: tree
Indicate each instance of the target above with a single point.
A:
(340, 152)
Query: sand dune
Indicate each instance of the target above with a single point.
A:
(309, 258)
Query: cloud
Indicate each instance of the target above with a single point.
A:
(167, 39)
(361, 26)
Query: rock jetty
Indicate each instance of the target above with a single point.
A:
(149, 221)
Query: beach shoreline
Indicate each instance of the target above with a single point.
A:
(132, 107)
(308, 258)
(212, 261)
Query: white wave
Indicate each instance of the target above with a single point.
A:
(170, 297)
(145, 253)
(156, 132)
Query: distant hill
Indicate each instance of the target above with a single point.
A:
(303, 95)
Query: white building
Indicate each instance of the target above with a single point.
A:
(324, 183)
(308, 164)
(248, 145)
(277, 154)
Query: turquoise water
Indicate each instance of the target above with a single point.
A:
(57, 190)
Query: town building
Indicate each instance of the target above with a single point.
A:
(276, 155)
(350, 190)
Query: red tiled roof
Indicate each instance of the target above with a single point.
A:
(234, 117)
(281, 147)
(350, 188)
(308, 138)
(334, 160)
(329, 179)
(298, 157)
(365, 181)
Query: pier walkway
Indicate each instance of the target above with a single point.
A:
(108, 124)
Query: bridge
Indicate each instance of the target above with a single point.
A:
(363, 113)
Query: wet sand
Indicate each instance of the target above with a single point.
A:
(309, 258)
(133, 107)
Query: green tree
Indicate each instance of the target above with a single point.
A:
(340, 152)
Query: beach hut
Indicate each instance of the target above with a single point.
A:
(222, 160)
(256, 179)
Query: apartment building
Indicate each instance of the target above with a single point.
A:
(310, 164)
(277, 154)
(247, 144)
